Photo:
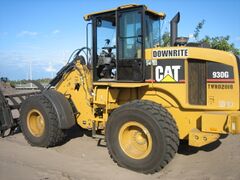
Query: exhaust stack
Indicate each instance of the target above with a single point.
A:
(174, 28)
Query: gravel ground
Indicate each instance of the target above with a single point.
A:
(85, 158)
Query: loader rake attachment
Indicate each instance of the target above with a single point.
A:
(9, 111)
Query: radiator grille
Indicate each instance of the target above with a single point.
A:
(197, 82)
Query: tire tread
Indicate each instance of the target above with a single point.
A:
(165, 120)
(56, 135)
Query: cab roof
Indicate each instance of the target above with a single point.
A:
(159, 14)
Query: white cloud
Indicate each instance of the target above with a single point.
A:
(190, 36)
(27, 33)
(50, 68)
(238, 38)
(15, 64)
(56, 31)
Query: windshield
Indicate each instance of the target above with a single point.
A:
(153, 35)
(130, 34)
(106, 34)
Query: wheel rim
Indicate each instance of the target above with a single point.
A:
(35, 123)
(135, 140)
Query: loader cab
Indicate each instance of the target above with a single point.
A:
(119, 39)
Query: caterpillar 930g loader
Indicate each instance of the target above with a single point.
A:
(140, 97)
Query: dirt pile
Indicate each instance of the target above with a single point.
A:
(6, 87)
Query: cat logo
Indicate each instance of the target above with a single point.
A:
(167, 73)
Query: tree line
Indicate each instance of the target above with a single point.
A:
(217, 42)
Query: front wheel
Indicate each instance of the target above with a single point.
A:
(39, 123)
(142, 136)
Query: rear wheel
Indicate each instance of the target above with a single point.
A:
(135, 140)
(39, 122)
(142, 136)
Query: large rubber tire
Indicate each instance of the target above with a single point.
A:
(161, 136)
(51, 135)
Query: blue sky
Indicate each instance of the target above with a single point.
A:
(43, 33)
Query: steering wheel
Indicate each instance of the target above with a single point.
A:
(109, 49)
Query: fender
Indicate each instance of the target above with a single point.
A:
(62, 107)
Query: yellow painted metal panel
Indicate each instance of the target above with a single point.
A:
(214, 122)
(120, 84)
(192, 52)
(223, 98)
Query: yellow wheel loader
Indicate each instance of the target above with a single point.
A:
(140, 97)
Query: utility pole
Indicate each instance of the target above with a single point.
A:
(30, 72)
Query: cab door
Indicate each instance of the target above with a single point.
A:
(130, 44)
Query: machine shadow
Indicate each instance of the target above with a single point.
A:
(185, 149)
(75, 132)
